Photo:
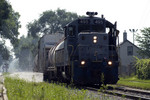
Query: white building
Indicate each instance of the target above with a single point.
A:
(127, 51)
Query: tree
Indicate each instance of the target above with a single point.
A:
(144, 42)
(4, 11)
(26, 50)
(27, 43)
(4, 52)
(9, 22)
(50, 22)
(9, 26)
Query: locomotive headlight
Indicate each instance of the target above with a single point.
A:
(94, 39)
(109, 63)
(83, 62)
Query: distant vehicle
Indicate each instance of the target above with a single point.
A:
(87, 54)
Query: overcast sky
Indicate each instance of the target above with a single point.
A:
(127, 13)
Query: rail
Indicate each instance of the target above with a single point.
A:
(125, 92)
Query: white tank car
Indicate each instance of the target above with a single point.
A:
(58, 61)
(51, 55)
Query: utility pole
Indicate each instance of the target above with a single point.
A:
(133, 31)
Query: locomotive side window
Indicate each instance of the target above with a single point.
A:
(107, 30)
(71, 31)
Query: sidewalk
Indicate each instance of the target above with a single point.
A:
(3, 95)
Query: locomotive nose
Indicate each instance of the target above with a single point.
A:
(93, 46)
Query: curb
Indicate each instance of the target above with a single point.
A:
(4, 91)
(4, 95)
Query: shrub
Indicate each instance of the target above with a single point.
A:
(143, 68)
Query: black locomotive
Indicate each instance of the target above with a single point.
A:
(87, 54)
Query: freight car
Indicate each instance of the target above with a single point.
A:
(88, 53)
(44, 45)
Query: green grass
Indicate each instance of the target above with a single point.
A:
(135, 82)
(6, 73)
(22, 90)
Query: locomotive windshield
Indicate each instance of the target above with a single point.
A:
(91, 28)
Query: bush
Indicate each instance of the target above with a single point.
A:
(143, 68)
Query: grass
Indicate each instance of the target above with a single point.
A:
(135, 82)
(22, 90)
(18, 89)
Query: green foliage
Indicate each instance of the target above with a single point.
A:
(50, 22)
(4, 52)
(4, 11)
(23, 90)
(27, 43)
(26, 50)
(144, 42)
(9, 26)
(4, 15)
(143, 68)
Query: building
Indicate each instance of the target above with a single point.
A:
(127, 51)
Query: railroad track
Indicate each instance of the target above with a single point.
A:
(135, 94)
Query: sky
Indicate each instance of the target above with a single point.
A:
(129, 14)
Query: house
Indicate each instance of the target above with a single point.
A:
(127, 51)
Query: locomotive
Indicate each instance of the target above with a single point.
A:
(87, 54)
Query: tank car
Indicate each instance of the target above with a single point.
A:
(88, 53)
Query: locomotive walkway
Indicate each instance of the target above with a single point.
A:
(3, 95)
